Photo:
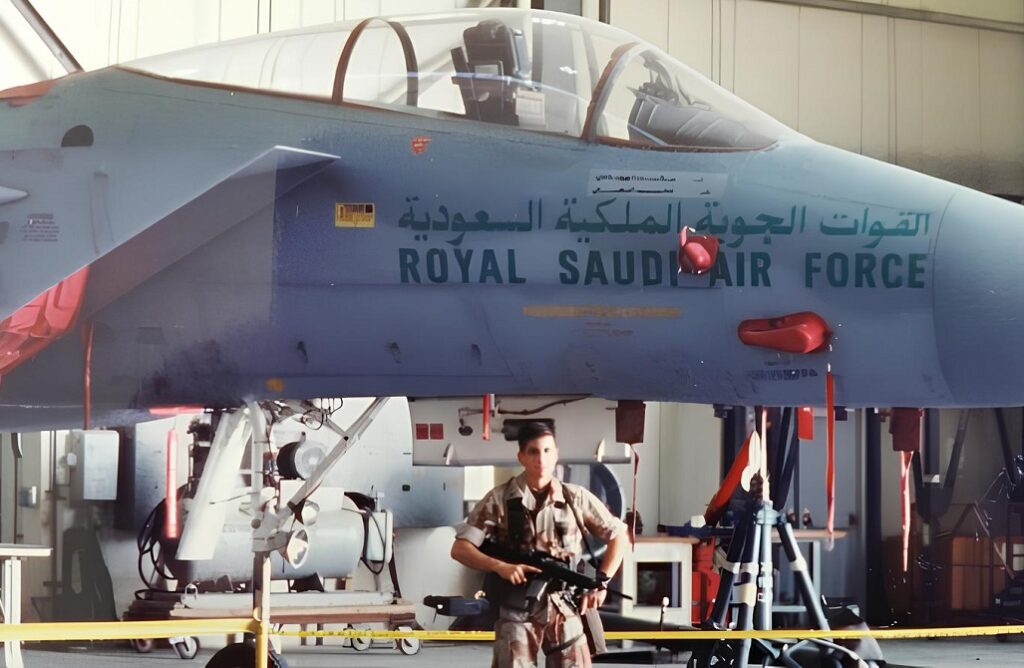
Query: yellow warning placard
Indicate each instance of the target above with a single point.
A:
(361, 215)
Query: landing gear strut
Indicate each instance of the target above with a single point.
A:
(270, 521)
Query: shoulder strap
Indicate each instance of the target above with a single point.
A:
(516, 517)
(579, 523)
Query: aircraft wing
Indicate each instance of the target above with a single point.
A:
(249, 190)
(40, 301)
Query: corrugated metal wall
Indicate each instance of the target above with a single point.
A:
(1011, 11)
(104, 32)
(943, 99)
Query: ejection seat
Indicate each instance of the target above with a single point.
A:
(490, 69)
(661, 116)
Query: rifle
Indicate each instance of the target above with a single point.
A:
(550, 568)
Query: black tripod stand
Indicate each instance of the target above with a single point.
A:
(748, 573)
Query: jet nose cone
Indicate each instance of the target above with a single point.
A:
(979, 299)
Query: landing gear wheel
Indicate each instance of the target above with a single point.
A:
(361, 643)
(242, 655)
(142, 645)
(187, 648)
(407, 646)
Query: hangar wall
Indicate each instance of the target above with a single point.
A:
(942, 99)
(1011, 11)
(104, 32)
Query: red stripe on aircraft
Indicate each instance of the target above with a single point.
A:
(42, 321)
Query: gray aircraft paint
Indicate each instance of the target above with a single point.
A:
(208, 217)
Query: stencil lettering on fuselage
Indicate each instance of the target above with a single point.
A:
(863, 249)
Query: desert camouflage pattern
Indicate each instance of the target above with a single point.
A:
(552, 625)
(552, 530)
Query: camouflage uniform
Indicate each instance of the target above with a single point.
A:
(552, 624)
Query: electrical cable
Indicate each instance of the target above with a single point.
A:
(369, 516)
(321, 413)
(148, 543)
(534, 411)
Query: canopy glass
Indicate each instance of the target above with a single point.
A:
(539, 71)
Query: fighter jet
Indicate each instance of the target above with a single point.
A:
(480, 201)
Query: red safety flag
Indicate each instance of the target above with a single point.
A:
(487, 416)
(632, 521)
(830, 461)
(171, 524)
(805, 423)
(905, 460)
(905, 427)
(720, 501)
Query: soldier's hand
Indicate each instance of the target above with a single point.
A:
(515, 573)
(593, 599)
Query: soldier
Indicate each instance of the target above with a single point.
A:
(536, 511)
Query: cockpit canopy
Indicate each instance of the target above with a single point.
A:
(539, 71)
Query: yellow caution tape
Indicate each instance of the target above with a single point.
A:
(475, 636)
(205, 627)
(784, 634)
(125, 630)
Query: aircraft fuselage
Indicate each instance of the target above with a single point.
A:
(442, 259)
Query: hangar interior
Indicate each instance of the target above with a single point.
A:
(936, 86)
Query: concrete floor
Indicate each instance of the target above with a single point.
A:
(954, 652)
(916, 653)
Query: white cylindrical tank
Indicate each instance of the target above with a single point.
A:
(336, 542)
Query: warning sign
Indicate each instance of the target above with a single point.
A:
(355, 215)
